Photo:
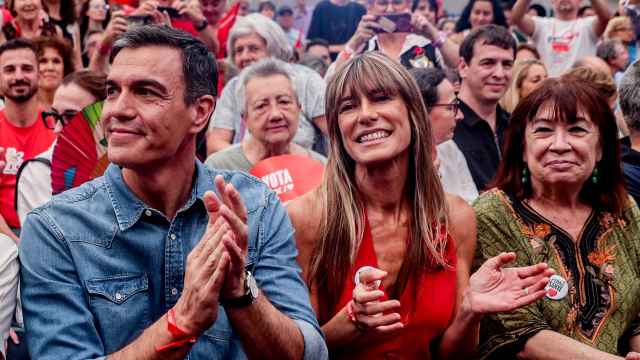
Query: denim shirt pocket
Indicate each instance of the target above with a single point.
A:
(121, 305)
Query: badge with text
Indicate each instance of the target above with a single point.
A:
(557, 288)
(289, 176)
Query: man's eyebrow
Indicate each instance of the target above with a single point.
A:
(149, 83)
(142, 83)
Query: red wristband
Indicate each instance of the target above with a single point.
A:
(104, 49)
(176, 332)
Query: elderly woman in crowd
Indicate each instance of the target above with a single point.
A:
(439, 96)
(252, 38)
(559, 198)
(379, 239)
(527, 76)
(270, 110)
(54, 63)
(424, 48)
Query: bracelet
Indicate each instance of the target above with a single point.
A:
(352, 316)
(104, 49)
(176, 332)
(442, 38)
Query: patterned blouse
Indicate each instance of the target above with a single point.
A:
(602, 269)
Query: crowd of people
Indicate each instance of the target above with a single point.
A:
(477, 200)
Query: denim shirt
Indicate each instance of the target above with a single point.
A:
(99, 266)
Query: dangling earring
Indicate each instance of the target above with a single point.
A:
(525, 175)
(594, 176)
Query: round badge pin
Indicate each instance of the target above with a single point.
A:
(557, 288)
(363, 270)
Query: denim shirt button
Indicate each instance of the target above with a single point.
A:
(118, 296)
(174, 291)
(148, 212)
(172, 236)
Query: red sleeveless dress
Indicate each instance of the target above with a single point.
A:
(434, 309)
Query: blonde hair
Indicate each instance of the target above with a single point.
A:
(343, 210)
(511, 97)
(613, 24)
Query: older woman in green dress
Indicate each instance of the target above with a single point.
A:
(559, 198)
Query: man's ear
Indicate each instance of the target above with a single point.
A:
(202, 108)
(463, 68)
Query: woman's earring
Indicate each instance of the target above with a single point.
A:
(525, 174)
(595, 176)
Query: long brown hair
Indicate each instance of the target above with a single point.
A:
(567, 95)
(342, 218)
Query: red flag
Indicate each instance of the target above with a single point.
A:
(224, 27)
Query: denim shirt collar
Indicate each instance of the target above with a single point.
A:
(128, 207)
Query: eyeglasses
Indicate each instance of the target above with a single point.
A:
(385, 3)
(453, 107)
(96, 7)
(51, 118)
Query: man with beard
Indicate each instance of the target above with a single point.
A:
(23, 134)
(565, 38)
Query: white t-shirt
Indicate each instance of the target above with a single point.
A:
(560, 43)
(34, 185)
(9, 271)
(454, 172)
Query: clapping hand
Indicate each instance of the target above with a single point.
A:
(207, 266)
(229, 206)
(495, 288)
(369, 311)
(632, 356)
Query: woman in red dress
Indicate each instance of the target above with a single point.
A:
(382, 207)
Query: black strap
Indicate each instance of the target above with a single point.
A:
(44, 161)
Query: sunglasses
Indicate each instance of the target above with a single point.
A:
(52, 118)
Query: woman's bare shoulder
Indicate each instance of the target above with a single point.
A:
(305, 213)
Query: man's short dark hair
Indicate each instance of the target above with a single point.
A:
(266, 4)
(316, 42)
(17, 44)
(428, 81)
(489, 35)
(198, 66)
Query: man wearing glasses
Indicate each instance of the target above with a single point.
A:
(23, 134)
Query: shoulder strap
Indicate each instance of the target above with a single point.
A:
(44, 161)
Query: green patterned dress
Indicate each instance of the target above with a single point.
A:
(602, 268)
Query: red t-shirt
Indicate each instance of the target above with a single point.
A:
(20, 144)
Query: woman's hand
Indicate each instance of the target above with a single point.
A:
(364, 32)
(494, 288)
(117, 26)
(369, 311)
(632, 356)
(422, 26)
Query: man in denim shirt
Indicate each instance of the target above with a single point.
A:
(105, 271)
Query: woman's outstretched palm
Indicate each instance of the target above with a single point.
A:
(495, 288)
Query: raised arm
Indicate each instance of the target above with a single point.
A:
(601, 8)
(521, 19)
